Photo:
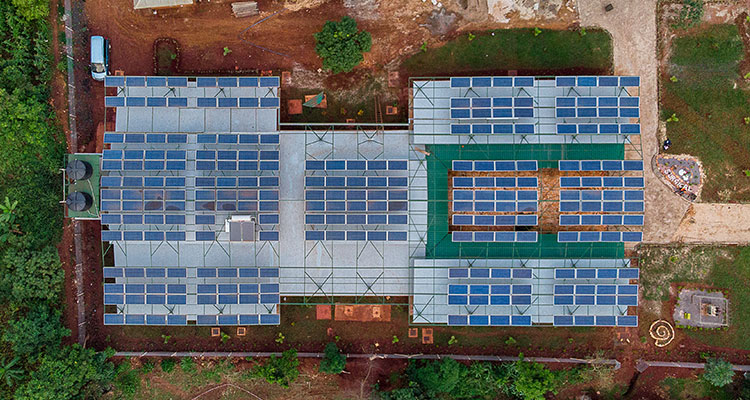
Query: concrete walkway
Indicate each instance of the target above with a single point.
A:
(633, 28)
(642, 365)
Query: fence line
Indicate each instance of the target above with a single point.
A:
(460, 357)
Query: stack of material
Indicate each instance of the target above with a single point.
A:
(245, 9)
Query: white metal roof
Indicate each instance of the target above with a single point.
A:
(140, 4)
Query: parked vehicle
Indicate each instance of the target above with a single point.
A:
(99, 57)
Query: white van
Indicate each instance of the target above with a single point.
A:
(99, 57)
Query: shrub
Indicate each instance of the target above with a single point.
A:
(334, 362)
(187, 365)
(718, 372)
(280, 370)
(691, 14)
(73, 373)
(341, 45)
(167, 365)
(37, 332)
(147, 367)
(31, 276)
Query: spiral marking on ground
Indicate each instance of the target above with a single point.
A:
(662, 332)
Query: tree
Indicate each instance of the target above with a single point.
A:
(718, 372)
(9, 371)
(32, 276)
(36, 333)
(439, 377)
(73, 373)
(530, 380)
(334, 362)
(280, 370)
(341, 45)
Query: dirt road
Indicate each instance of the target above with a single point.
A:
(633, 28)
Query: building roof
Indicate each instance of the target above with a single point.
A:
(140, 4)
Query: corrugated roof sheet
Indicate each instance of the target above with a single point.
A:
(140, 4)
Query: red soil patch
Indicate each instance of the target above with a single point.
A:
(363, 312)
(322, 311)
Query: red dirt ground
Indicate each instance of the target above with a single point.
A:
(204, 29)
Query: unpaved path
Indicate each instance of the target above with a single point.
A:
(715, 223)
(633, 28)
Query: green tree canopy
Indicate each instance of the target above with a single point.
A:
(718, 372)
(32, 9)
(334, 362)
(341, 45)
(280, 370)
(531, 380)
(31, 276)
(74, 373)
(437, 377)
(37, 332)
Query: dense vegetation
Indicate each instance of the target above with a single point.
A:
(34, 363)
(709, 98)
(450, 379)
(340, 44)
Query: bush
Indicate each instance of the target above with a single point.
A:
(128, 380)
(334, 362)
(31, 276)
(280, 370)
(74, 373)
(718, 372)
(37, 332)
(341, 45)
(532, 380)
(32, 9)
(187, 365)
(167, 365)
(691, 14)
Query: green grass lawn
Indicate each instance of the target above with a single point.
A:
(710, 109)
(726, 268)
(551, 52)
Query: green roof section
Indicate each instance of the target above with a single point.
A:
(439, 243)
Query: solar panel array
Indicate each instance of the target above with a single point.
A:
(598, 81)
(582, 288)
(356, 200)
(472, 287)
(210, 175)
(184, 187)
(507, 99)
(589, 105)
(260, 99)
(601, 200)
(494, 201)
(164, 288)
(510, 296)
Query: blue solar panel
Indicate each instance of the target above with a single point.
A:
(628, 273)
(460, 82)
(565, 81)
(521, 320)
(270, 81)
(248, 82)
(627, 320)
